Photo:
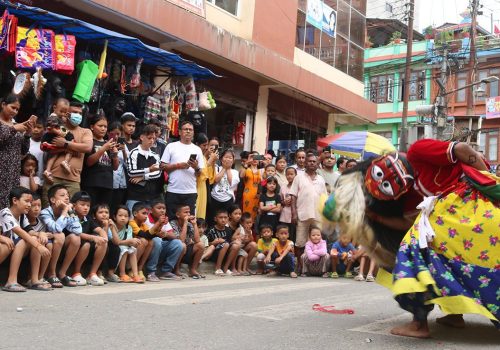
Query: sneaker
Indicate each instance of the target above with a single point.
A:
(229, 273)
(94, 280)
(370, 278)
(334, 275)
(348, 274)
(359, 278)
(113, 278)
(219, 272)
(151, 278)
(80, 281)
(169, 276)
(101, 276)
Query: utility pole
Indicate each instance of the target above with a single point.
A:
(441, 100)
(474, 6)
(403, 143)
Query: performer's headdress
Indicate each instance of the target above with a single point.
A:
(389, 177)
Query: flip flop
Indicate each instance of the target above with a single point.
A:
(195, 277)
(55, 282)
(14, 287)
(40, 286)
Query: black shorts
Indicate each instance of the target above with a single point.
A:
(188, 257)
(217, 250)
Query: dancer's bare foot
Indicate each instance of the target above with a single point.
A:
(455, 321)
(415, 329)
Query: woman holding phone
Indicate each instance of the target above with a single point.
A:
(14, 144)
(225, 183)
(206, 175)
(98, 166)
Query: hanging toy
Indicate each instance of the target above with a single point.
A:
(135, 81)
(21, 84)
(211, 100)
(101, 74)
(38, 81)
(123, 80)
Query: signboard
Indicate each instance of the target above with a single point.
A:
(322, 16)
(195, 6)
(493, 107)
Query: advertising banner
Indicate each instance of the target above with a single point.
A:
(493, 107)
(322, 16)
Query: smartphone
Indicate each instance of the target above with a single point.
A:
(258, 157)
(216, 149)
(121, 140)
(192, 157)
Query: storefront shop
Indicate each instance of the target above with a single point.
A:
(47, 56)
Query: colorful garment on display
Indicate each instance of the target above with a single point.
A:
(457, 266)
(64, 50)
(8, 30)
(34, 48)
(87, 76)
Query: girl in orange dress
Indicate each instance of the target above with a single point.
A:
(250, 175)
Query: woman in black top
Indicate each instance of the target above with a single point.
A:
(97, 174)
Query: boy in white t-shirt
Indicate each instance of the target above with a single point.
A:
(17, 241)
(183, 161)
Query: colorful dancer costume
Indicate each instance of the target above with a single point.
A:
(450, 256)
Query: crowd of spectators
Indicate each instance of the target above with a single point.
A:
(115, 202)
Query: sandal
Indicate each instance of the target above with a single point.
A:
(219, 272)
(370, 278)
(14, 287)
(326, 275)
(246, 273)
(68, 281)
(40, 286)
(195, 277)
(66, 167)
(55, 282)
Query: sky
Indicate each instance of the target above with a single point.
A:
(436, 12)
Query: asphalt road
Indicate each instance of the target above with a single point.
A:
(222, 313)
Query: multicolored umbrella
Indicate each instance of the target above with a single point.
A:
(357, 144)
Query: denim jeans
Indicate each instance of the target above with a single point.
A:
(165, 253)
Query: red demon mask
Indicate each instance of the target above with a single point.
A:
(388, 177)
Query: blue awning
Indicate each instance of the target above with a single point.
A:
(125, 45)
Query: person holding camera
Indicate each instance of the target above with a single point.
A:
(183, 161)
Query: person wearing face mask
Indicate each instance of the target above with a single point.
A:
(71, 117)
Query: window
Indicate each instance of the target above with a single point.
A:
(388, 7)
(343, 49)
(416, 86)
(461, 82)
(230, 6)
(492, 146)
(490, 89)
(381, 88)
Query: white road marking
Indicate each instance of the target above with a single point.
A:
(200, 298)
(121, 288)
(285, 311)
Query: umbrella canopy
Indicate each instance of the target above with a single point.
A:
(357, 144)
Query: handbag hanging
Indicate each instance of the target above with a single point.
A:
(64, 52)
(34, 48)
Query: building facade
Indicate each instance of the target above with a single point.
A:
(285, 76)
(384, 85)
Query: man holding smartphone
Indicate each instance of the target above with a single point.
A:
(183, 161)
